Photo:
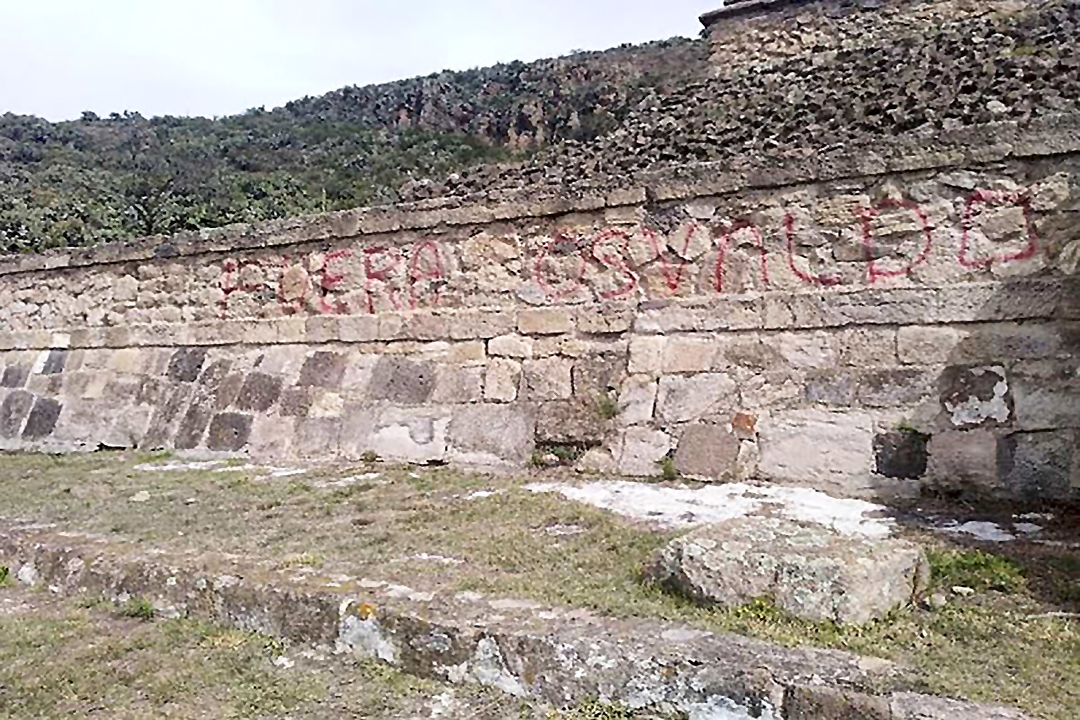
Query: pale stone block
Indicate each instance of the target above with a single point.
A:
(502, 380)
(605, 319)
(491, 434)
(327, 405)
(411, 435)
(684, 354)
(647, 354)
(545, 321)
(867, 347)
(465, 324)
(683, 399)
(456, 385)
(828, 451)
(637, 400)
(467, 353)
(292, 330)
(642, 450)
(548, 379)
(805, 349)
(127, 360)
(960, 458)
(917, 345)
(511, 346)
(358, 328)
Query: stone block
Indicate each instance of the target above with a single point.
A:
(647, 354)
(13, 412)
(688, 354)
(483, 324)
(42, 419)
(637, 400)
(963, 459)
(514, 346)
(895, 387)
(258, 393)
(491, 434)
(810, 571)
(545, 321)
(186, 363)
(548, 379)
(229, 432)
(323, 369)
(192, 427)
(866, 347)
(401, 381)
(817, 702)
(1037, 466)
(825, 450)
(419, 435)
(358, 328)
(467, 353)
(708, 451)
(570, 421)
(901, 454)
(913, 706)
(804, 350)
(455, 384)
(975, 396)
(835, 388)
(605, 319)
(426, 326)
(323, 329)
(54, 363)
(502, 379)
(917, 345)
(641, 450)
(693, 397)
(317, 437)
(326, 404)
(1046, 395)
(271, 438)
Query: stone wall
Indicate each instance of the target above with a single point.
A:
(865, 333)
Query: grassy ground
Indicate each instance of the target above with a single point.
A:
(428, 527)
(65, 659)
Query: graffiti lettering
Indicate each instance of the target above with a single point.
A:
(991, 198)
(866, 218)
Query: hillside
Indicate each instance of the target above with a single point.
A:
(101, 179)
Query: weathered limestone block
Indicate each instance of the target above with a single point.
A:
(455, 384)
(1039, 465)
(810, 571)
(515, 346)
(548, 379)
(693, 397)
(963, 459)
(411, 435)
(545, 321)
(646, 354)
(975, 396)
(641, 450)
(401, 381)
(637, 400)
(502, 380)
(688, 354)
(605, 319)
(491, 434)
(829, 451)
(708, 451)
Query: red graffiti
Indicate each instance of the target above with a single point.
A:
(866, 217)
(328, 281)
(724, 242)
(615, 261)
(419, 271)
(564, 287)
(989, 197)
(380, 263)
(789, 231)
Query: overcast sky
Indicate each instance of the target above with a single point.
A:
(219, 57)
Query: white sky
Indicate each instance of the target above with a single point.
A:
(219, 57)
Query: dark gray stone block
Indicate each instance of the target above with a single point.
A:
(42, 420)
(186, 364)
(323, 369)
(901, 454)
(13, 411)
(259, 392)
(401, 381)
(229, 432)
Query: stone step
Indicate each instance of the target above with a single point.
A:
(544, 654)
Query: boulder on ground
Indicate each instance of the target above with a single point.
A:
(810, 571)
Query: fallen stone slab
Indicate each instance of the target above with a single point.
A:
(808, 570)
(558, 656)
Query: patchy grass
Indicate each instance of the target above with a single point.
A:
(60, 661)
(5, 576)
(998, 645)
(137, 608)
(607, 406)
(975, 569)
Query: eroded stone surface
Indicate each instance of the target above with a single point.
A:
(809, 571)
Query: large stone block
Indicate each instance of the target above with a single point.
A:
(641, 450)
(401, 381)
(323, 369)
(647, 354)
(901, 454)
(419, 435)
(975, 396)
(13, 412)
(229, 432)
(548, 379)
(570, 421)
(810, 571)
(637, 400)
(545, 321)
(258, 393)
(491, 434)
(42, 419)
(454, 384)
(963, 460)
(1038, 466)
(689, 398)
(829, 451)
(708, 451)
(688, 354)
(502, 380)
(186, 364)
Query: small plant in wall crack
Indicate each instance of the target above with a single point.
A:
(668, 471)
(5, 576)
(607, 406)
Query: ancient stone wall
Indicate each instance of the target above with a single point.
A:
(870, 332)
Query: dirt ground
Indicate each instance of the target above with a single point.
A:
(1015, 639)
